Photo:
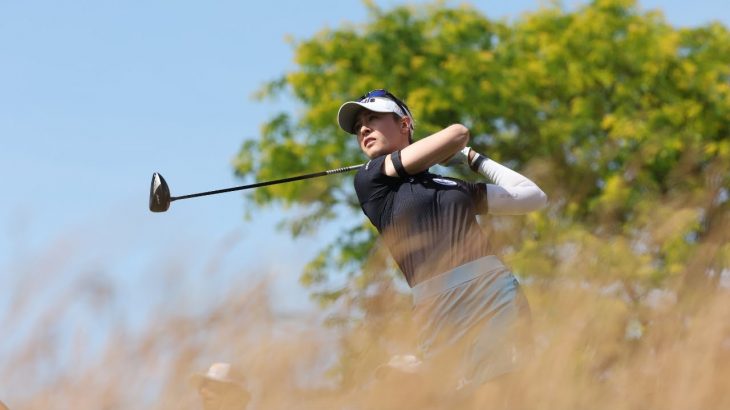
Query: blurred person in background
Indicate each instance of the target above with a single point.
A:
(472, 315)
(221, 388)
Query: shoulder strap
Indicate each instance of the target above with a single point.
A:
(398, 164)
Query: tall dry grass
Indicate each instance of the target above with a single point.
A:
(594, 349)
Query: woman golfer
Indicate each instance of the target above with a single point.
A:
(470, 309)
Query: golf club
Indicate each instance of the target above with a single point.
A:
(160, 198)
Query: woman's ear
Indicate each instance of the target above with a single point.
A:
(405, 122)
(405, 128)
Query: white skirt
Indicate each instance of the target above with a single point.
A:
(475, 318)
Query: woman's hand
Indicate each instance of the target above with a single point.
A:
(460, 158)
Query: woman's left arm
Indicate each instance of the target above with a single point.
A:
(512, 193)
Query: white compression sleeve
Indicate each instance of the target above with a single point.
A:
(512, 193)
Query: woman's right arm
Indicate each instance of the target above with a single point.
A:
(426, 152)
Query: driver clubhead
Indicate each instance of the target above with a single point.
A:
(159, 194)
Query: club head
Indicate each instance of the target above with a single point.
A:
(159, 194)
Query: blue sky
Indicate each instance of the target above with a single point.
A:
(97, 95)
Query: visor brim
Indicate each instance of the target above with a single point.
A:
(347, 115)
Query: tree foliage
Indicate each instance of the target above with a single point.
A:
(623, 119)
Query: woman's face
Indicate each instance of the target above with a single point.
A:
(217, 395)
(380, 133)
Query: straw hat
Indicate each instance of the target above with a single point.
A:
(219, 373)
(399, 364)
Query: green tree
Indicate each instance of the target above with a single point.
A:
(622, 118)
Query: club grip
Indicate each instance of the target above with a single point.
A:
(343, 169)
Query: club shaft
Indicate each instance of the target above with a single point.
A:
(278, 181)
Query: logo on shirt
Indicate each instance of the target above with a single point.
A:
(446, 182)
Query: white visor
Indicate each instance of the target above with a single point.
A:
(347, 116)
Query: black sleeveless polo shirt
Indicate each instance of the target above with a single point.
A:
(428, 222)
